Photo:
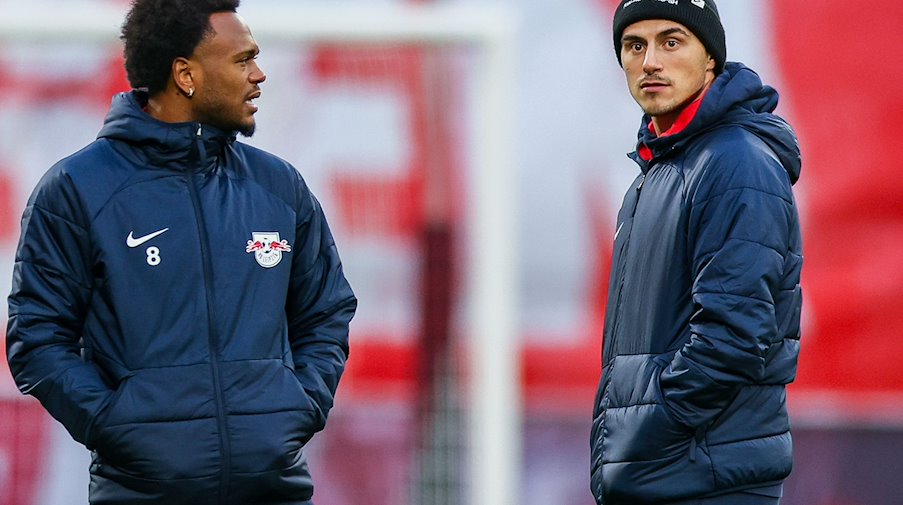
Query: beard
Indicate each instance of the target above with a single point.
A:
(219, 112)
(247, 130)
(659, 109)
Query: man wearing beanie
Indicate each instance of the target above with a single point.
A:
(703, 317)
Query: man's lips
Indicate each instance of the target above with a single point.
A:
(253, 96)
(653, 85)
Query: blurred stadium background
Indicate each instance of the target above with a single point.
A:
(392, 138)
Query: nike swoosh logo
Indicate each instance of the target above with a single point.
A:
(135, 242)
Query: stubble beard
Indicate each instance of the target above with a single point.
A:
(656, 109)
(247, 130)
(217, 113)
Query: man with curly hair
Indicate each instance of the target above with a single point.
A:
(178, 303)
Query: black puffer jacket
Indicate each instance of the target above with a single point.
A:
(703, 318)
(179, 306)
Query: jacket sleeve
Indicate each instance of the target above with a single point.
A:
(739, 231)
(320, 306)
(51, 289)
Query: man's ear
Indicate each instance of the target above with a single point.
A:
(182, 76)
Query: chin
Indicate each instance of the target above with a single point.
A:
(659, 109)
(247, 130)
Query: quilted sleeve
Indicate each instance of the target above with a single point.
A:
(740, 227)
(319, 308)
(51, 289)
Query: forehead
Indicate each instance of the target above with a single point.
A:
(649, 29)
(230, 35)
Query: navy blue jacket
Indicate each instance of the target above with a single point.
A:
(703, 317)
(179, 306)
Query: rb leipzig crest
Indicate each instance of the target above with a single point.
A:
(267, 248)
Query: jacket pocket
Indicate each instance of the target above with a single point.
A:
(271, 416)
(647, 453)
(638, 424)
(160, 425)
(661, 361)
(306, 401)
(100, 419)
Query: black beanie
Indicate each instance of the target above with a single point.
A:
(700, 16)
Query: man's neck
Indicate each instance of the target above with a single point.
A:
(670, 124)
(169, 106)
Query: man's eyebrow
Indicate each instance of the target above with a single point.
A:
(248, 53)
(631, 38)
(661, 35)
(672, 31)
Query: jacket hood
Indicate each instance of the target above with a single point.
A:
(160, 143)
(737, 97)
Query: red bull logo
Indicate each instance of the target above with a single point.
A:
(267, 248)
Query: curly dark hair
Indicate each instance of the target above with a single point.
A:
(156, 32)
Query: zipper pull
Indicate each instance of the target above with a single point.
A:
(202, 151)
(642, 180)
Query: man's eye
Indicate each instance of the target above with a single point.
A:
(636, 47)
(671, 43)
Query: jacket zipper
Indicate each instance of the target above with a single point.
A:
(610, 366)
(212, 337)
(621, 267)
(694, 442)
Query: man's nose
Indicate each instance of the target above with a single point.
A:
(651, 62)
(258, 75)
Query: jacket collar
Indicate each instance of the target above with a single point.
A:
(736, 97)
(170, 145)
(683, 121)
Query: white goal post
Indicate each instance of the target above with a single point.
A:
(495, 425)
